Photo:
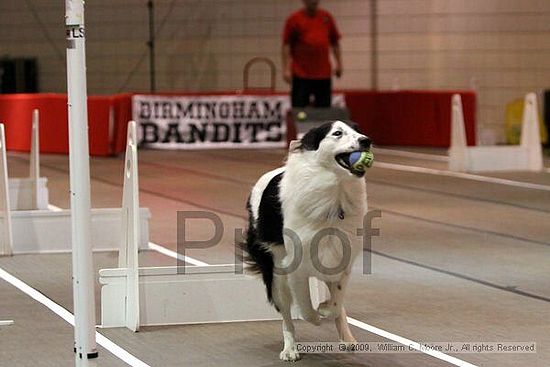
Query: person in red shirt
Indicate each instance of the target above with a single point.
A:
(309, 35)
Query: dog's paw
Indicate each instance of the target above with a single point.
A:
(313, 317)
(289, 355)
(327, 310)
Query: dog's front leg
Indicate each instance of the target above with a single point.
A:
(299, 287)
(334, 308)
(331, 307)
(344, 333)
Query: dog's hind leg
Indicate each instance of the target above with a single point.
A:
(283, 301)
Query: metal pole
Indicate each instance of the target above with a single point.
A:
(79, 160)
(374, 43)
(151, 44)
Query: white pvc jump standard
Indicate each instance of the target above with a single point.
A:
(524, 157)
(128, 251)
(30, 193)
(6, 237)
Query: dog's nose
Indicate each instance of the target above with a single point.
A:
(365, 142)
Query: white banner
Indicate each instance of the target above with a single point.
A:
(210, 122)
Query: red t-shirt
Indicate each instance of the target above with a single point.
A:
(310, 39)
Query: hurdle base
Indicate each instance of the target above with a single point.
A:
(21, 194)
(203, 294)
(490, 158)
(44, 231)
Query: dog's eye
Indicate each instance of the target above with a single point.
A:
(337, 133)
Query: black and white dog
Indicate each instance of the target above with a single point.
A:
(295, 212)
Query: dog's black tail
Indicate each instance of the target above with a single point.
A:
(255, 254)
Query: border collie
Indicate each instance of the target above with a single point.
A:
(303, 221)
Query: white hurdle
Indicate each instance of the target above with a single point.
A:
(5, 212)
(46, 231)
(34, 162)
(30, 193)
(525, 157)
(132, 296)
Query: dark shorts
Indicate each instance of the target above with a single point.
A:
(303, 89)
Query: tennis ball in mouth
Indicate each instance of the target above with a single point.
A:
(361, 161)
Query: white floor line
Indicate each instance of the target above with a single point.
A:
(362, 325)
(407, 342)
(404, 153)
(69, 317)
(175, 255)
(466, 176)
(6, 322)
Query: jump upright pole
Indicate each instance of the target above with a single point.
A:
(79, 159)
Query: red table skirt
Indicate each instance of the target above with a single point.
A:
(16, 114)
(413, 118)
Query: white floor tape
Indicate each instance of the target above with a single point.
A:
(175, 255)
(407, 154)
(407, 342)
(466, 176)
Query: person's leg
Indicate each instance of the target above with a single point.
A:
(323, 92)
(300, 92)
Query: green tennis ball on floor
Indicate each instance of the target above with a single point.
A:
(301, 116)
(361, 161)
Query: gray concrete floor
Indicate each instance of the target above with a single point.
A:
(456, 260)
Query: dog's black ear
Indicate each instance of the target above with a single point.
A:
(312, 139)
